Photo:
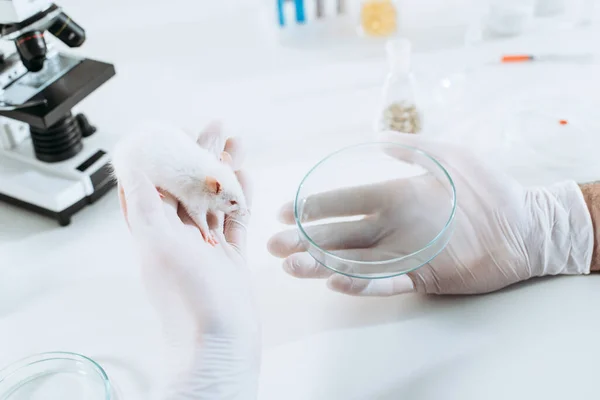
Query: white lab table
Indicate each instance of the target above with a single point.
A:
(77, 288)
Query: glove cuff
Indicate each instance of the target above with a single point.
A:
(221, 368)
(564, 230)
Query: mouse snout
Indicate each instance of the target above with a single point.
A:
(243, 212)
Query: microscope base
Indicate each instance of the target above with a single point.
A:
(58, 190)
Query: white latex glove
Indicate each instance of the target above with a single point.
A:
(503, 233)
(203, 294)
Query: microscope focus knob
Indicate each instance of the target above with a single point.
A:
(87, 129)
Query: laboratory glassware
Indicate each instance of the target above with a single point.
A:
(422, 177)
(507, 17)
(56, 375)
(399, 109)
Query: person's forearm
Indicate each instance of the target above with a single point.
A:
(591, 195)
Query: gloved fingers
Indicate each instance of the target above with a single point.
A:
(235, 148)
(235, 226)
(371, 287)
(145, 209)
(171, 207)
(170, 203)
(303, 265)
(231, 251)
(226, 159)
(211, 138)
(284, 243)
(230, 151)
(335, 236)
(455, 159)
(345, 202)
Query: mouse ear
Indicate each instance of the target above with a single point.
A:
(213, 185)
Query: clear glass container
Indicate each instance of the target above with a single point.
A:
(56, 375)
(563, 14)
(403, 184)
(544, 8)
(508, 17)
(494, 21)
(378, 18)
(400, 110)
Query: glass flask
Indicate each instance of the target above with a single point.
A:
(399, 110)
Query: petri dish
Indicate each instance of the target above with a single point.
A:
(340, 204)
(55, 375)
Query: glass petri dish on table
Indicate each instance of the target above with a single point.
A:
(55, 375)
(375, 210)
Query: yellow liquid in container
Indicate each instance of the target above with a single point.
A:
(378, 17)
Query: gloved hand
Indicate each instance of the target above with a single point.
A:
(203, 294)
(503, 233)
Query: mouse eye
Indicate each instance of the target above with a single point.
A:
(233, 202)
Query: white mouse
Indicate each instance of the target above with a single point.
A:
(174, 161)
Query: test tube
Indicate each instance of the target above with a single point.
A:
(280, 6)
(300, 17)
(320, 8)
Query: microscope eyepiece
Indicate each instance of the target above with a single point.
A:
(32, 50)
(67, 31)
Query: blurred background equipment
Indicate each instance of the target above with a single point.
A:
(378, 18)
(298, 6)
(302, 10)
(358, 22)
(44, 165)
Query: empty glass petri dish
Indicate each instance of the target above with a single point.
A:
(375, 210)
(56, 375)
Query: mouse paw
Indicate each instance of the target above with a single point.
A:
(208, 237)
(212, 240)
(199, 219)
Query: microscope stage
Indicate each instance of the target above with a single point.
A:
(77, 78)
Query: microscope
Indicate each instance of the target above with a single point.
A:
(45, 166)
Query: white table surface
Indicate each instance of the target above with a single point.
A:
(77, 288)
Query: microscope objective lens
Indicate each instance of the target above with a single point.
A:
(32, 50)
(67, 31)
